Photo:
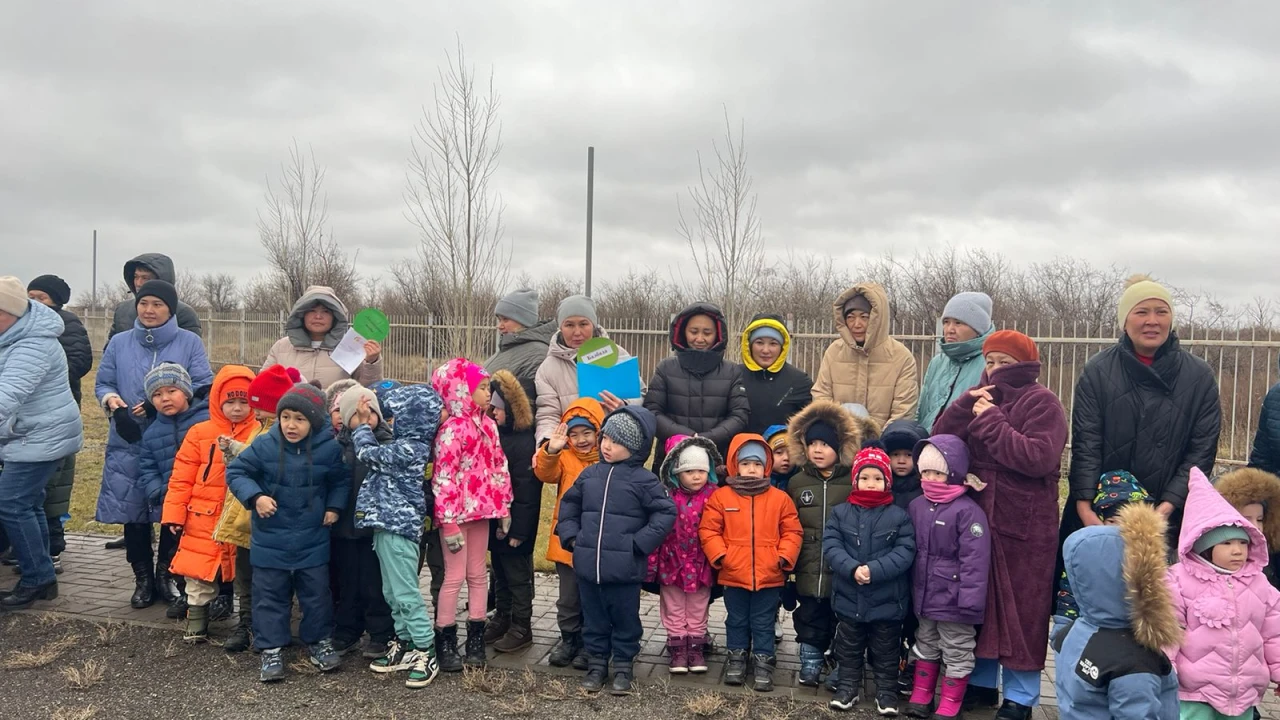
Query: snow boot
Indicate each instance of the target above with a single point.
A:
(519, 636)
(475, 655)
(678, 653)
(447, 649)
(197, 624)
(144, 589)
(952, 698)
(920, 705)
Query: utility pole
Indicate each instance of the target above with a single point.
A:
(591, 183)
(93, 292)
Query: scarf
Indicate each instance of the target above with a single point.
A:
(942, 492)
(870, 498)
(748, 487)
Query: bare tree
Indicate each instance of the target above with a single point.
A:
(109, 295)
(449, 196)
(723, 231)
(219, 292)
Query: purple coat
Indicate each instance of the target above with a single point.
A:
(1016, 448)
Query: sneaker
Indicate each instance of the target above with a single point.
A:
(272, 665)
(423, 668)
(844, 700)
(621, 683)
(375, 649)
(887, 705)
(323, 656)
(593, 681)
(344, 645)
(395, 659)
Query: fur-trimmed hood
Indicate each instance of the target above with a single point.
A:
(1251, 485)
(519, 410)
(851, 430)
(667, 472)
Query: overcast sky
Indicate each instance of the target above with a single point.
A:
(1141, 134)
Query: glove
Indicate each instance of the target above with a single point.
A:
(149, 409)
(126, 427)
(453, 538)
(504, 526)
(156, 498)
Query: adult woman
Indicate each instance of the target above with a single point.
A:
(522, 340)
(557, 378)
(314, 328)
(958, 363)
(697, 392)
(1016, 430)
(39, 426)
(865, 365)
(776, 389)
(155, 339)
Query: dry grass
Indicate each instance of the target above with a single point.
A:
(171, 648)
(84, 713)
(109, 632)
(85, 676)
(556, 689)
(301, 665)
(23, 660)
(484, 680)
(705, 704)
(51, 619)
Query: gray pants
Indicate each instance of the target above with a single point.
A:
(952, 643)
(569, 604)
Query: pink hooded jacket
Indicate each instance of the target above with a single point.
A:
(471, 481)
(1232, 648)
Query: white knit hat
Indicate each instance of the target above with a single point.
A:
(693, 458)
(13, 296)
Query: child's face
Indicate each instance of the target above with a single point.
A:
(933, 476)
(613, 452)
(236, 410)
(335, 417)
(170, 401)
(263, 416)
(692, 480)
(700, 332)
(1231, 555)
(582, 439)
(482, 395)
(765, 351)
(822, 455)
(902, 462)
(294, 425)
(499, 415)
(781, 460)
(751, 468)
(1254, 513)
(997, 360)
(871, 480)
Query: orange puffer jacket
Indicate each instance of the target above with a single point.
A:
(563, 469)
(198, 485)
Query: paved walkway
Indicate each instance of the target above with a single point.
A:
(96, 584)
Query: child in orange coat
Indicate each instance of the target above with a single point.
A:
(197, 490)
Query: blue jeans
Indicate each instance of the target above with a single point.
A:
(22, 515)
(750, 618)
(1020, 686)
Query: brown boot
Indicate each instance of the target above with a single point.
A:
(518, 637)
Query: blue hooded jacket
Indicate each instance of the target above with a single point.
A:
(392, 498)
(159, 446)
(38, 421)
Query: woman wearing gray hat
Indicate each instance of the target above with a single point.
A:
(522, 340)
(958, 363)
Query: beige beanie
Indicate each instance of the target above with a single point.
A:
(1138, 289)
(13, 296)
(349, 402)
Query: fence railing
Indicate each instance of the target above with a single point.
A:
(1245, 361)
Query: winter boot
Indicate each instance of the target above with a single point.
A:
(833, 676)
(220, 608)
(847, 691)
(1011, 710)
(597, 670)
(197, 623)
(242, 635)
(952, 698)
(476, 656)
(810, 665)
(976, 697)
(144, 589)
(920, 705)
(735, 668)
(498, 627)
(678, 650)
(518, 636)
(167, 584)
(581, 661)
(272, 665)
(177, 608)
(906, 674)
(323, 657)
(447, 649)
(569, 647)
(23, 596)
(622, 678)
(697, 654)
(763, 671)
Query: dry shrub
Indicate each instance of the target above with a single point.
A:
(556, 690)
(171, 648)
(484, 680)
(109, 632)
(49, 619)
(705, 704)
(22, 660)
(85, 676)
(521, 704)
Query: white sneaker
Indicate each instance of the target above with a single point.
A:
(780, 627)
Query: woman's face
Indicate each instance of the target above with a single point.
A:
(1148, 326)
(575, 331)
(857, 322)
(997, 360)
(700, 332)
(7, 321)
(765, 351)
(318, 321)
(954, 331)
(152, 312)
(41, 297)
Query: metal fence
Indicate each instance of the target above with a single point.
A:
(1245, 361)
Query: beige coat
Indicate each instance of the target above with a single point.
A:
(880, 375)
(294, 349)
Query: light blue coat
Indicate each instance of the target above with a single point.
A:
(39, 419)
(954, 369)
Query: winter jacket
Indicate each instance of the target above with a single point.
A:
(777, 392)
(697, 392)
(563, 468)
(1266, 442)
(1111, 661)
(905, 433)
(470, 478)
(79, 351)
(516, 437)
(126, 313)
(392, 498)
(198, 487)
(881, 538)
(557, 383)
(814, 495)
(1231, 653)
(1016, 449)
(1244, 486)
(880, 374)
(680, 561)
(954, 369)
(346, 528)
(236, 523)
(39, 420)
(616, 515)
(294, 349)
(57, 492)
(522, 353)
(306, 479)
(158, 450)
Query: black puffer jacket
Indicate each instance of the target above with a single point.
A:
(346, 525)
(779, 391)
(698, 391)
(127, 311)
(516, 437)
(76, 346)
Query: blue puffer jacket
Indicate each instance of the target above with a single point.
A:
(1266, 443)
(882, 539)
(125, 364)
(39, 419)
(159, 446)
(616, 515)
(305, 479)
(953, 371)
(391, 498)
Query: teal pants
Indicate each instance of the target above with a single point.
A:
(398, 558)
(1203, 711)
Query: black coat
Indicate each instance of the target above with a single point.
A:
(346, 525)
(526, 503)
(76, 346)
(773, 396)
(882, 539)
(126, 312)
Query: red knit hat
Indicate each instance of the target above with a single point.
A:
(1012, 343)
(873, 457)
(267, 389)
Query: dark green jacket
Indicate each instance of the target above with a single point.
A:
(814, 499)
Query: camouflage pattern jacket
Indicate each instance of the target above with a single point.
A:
(391, 498)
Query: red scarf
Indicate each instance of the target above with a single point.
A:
(870, 498)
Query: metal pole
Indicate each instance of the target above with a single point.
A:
(93, 291)
(591, 188)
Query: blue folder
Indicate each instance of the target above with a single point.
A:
(623, 380)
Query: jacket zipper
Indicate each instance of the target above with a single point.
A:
(209, 465)
(822, 563)
(1235, 647)
(753, 544)
(604, 505)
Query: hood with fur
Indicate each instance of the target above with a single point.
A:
(317, 295)
(877, 327)
(519, 410)
(1251, 485)
(852, 431)
(668, 469)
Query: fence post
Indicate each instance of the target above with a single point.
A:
(431, 340)
(242, 332)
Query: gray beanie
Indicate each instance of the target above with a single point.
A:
(972, 309)
(168, 375)
(624, 430)
(521, 306)
(576, 306)
(349, 402)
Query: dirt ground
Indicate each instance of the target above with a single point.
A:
(59, 668)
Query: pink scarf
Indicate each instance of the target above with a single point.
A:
(942, 492)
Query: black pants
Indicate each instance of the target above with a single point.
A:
(360, 607)
(513, 585)
(815, 622)
(431, 555)
(137, 545)
(273, 592)
(611, 622)
(244, 580)
(882, 639)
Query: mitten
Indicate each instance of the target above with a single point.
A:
(126, 427)
(452, 535)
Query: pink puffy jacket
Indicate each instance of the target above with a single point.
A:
(1232, 648)
(470, 476)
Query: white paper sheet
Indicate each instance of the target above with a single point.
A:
(349, 354)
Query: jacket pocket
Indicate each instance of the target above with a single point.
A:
(944, 587)
(1013, 511)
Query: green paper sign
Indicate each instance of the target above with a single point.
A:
(600, 352)
(372, 324)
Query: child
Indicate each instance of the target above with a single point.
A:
(752, 535)
(949, 582)
(169, 390)
(234, 524)
(870, 545)
(391, 502)
(899, 440)
(679, 566)
(296, 483)
(332, 400)
(1230, 612)
(1256, 494)
(197, 491)
(827, 437)
(1115, 490)
(777, 439)
(511, 550)
(572, 448)
(612, 519)
(1111, 658)
(472, 486)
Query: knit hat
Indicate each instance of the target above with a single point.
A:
(753, 451)
(333, 393)
(873, 457)
(475, 375)
(13, 299)
(308, 400)
(857, 410)
(166, 292)
(579, 421)
(271, 384)
(576, 306)
(931, 458)
(521, 306)
(1012, 343)
(168, 375)
(53, 286)
(1115, 490)
(694, 458)
(624, 430)
(766, 332)
(349, 401)
(1219, 535)
(972, 309)
(777, 436)
(824, 432)
(1138, 289)
(857, 303)
(235, 387)
(902, 434)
